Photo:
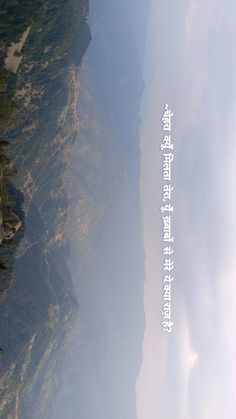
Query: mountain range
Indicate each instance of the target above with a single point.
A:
(71, 316)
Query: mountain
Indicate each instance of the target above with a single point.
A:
(103, 363)
(42, 47)
(71, 312)
(36, 315)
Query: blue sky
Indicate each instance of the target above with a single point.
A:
(190, 64)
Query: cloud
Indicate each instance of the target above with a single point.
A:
(190, 16)
(201, 377)
(199, 21)
(192, 360)
(189, 359)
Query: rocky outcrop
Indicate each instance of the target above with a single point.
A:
(9, 228)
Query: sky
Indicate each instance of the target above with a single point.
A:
(190, 64)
